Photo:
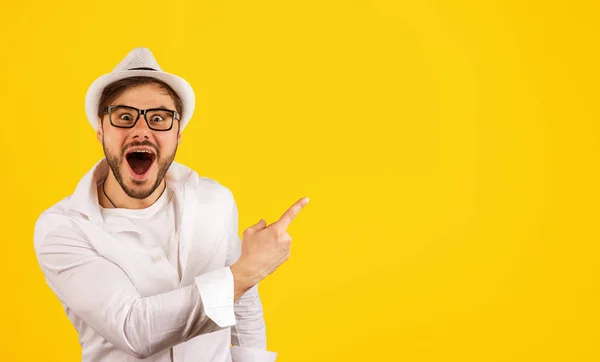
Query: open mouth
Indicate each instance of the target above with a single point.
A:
(140, 161)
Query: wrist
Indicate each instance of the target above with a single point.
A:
(242, 279)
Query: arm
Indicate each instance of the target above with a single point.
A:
(102, 295)
(248, 336)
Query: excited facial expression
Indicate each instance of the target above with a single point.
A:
(139, 157)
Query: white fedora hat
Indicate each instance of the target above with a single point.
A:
(139, 63)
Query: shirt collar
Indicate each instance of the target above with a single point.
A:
(85, 198)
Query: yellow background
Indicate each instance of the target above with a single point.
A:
(450, 150)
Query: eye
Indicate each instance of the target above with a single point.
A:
(157, 119)
(126, 117)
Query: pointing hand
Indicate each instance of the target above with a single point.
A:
(264, 249)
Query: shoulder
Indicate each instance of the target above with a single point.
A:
(207, 190)
(206, 187)
(219, 191)
(213, 196)
(57, 217)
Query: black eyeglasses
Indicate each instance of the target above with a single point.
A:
(157, 119)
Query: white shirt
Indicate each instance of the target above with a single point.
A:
(156, 225)
(126, 299)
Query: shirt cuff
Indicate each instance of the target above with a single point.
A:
(245, 354)
(216, 292)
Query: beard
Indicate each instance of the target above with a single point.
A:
(163, 164)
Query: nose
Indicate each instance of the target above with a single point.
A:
(141, 129)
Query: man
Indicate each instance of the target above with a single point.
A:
(145, 255)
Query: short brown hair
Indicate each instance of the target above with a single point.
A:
(115, 89)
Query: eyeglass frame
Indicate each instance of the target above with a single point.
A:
(108, 110)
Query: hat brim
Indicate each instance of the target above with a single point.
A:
(183, 89)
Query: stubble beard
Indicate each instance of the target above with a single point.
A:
(114, 163)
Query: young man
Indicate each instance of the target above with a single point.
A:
(145, 255)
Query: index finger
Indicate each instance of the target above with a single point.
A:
(291, 213)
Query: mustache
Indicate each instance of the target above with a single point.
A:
(137, 144)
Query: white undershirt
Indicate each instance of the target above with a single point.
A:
(156, 224)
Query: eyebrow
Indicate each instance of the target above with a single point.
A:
(126, 105)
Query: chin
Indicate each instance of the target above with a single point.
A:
(140, 189)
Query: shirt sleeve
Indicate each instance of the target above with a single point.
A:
(101, 294)
(248, 335)
(244, 354)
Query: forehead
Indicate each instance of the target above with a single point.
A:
(145, 96)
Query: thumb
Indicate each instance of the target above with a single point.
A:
(261, 224)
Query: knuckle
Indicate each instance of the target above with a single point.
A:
(279, 233)
(283, 248)
(293, 213)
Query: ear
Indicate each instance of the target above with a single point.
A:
(178, 138)
(99, 132)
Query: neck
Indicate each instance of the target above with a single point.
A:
(117, 195)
